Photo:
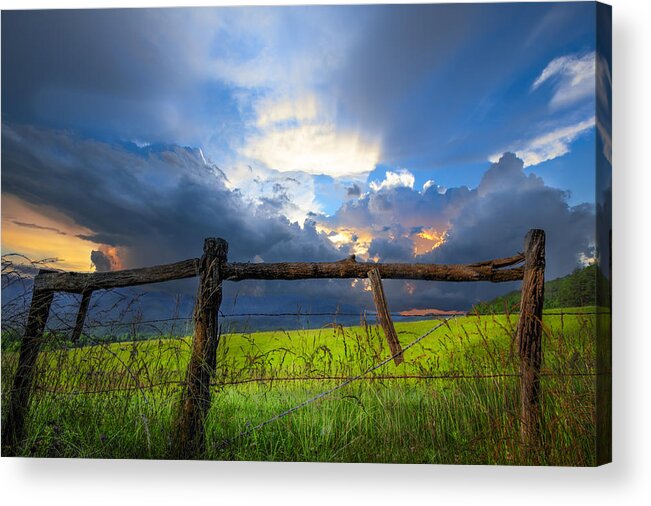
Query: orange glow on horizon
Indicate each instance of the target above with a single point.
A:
(40, 232)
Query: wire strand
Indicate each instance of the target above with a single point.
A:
(339, 386)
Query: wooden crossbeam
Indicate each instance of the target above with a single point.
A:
(77, 282)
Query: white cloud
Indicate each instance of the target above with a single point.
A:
(297, 135)
(402, 178)
(549, 145)
(314, 149)
(295, 139)
(290, 194)
(271, 112)
(429, 183)
(573, 77)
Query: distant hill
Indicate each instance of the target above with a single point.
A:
(574, 290)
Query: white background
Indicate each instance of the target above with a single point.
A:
(626, 481)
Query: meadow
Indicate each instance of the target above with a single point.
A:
(453, 400)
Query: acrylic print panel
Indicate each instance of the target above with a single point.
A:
(308, 233)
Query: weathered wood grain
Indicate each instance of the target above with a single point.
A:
(384, 316)
(501, 262)
(78, 282)
(529, 336)
(13, 428)
(352, 269)
(190, 437)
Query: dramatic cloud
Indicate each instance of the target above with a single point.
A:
(296, 88)
(102, 261)
(400, 249)
(299, 135)
(314, 149)
(291, 194)
(115, 72)
(461, 225)
(507, 204)
(156, 203)
(394, 212)
(315, 132)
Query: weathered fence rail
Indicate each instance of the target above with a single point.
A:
(76, 282)
(213, 269)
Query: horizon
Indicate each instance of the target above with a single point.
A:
(282, 131)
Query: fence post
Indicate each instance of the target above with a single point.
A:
(384, 316)
(81, 315)
(195, 403)
(13, 429)
(529, 335)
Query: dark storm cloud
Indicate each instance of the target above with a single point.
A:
(101, 261)
(508, 203)
(487, 222)
(413, 41)
(90, 49)
(397, 250)
(383, 210)
(118, 73)
(156, 204)
(430, 79)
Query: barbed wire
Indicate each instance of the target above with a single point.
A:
(67, 326)
(325, 393)
(383, 377)
(133, 374)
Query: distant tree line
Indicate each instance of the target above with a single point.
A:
(574, 290)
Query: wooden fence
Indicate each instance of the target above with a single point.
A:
(213, 268)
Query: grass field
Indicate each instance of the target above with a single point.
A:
(455, 400)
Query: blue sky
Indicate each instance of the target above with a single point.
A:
(336, 129)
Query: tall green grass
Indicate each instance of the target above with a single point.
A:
(453, 400)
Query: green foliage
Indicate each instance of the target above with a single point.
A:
(115, 400)
(578, 289)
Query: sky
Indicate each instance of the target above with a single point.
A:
(426, 133)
